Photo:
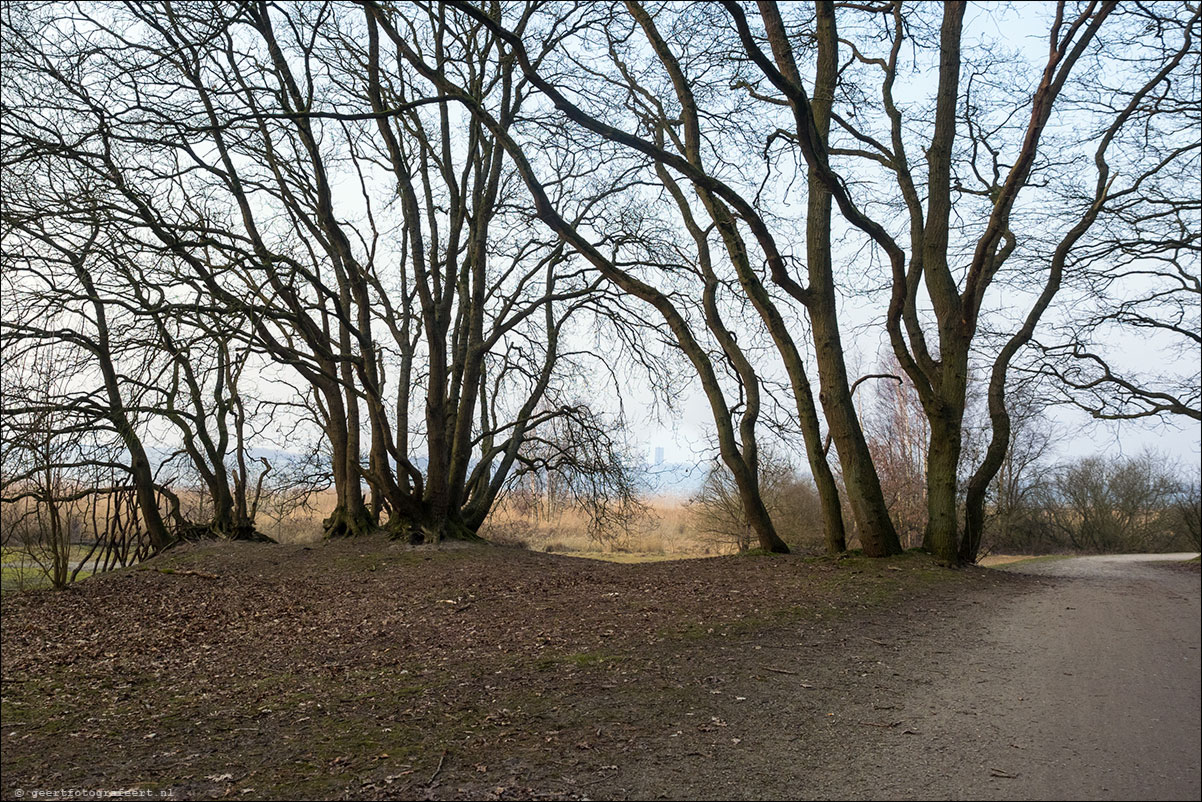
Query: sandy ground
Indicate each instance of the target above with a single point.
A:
(1084, 687)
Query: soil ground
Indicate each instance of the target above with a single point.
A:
(365, 669)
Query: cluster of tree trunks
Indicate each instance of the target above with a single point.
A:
(420, 211)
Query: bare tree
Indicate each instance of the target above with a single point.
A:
(738, 451)
(1139, 163)
(1014, 517)
(1115, 505)
(313, 204)
(41, 459)
(898, 434)
(979, 159)
(667, 152)
(69, 503)
(50, 274)
(582, 462)
(358, 195)
(1187, 509)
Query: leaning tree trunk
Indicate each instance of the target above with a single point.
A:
(978, 486)
(139, 466)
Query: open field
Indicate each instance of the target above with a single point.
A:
(25, 569)
(669, 529)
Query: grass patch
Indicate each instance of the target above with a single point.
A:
(584, 659)
(1027, 560)
(758, 552)
(631, 557)
(17, 576)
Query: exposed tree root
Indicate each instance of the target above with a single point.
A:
(190, 532)
(342, 523)
(428, 531)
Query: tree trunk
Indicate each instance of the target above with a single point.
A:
(878, 537)
(757, 514)
(426, 527)
(941, 536)
(148, 501)
(350, 517)
(995, 456)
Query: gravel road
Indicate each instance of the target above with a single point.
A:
(1081, 681)
(1086, 687)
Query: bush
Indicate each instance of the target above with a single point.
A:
(716, 511)
(1100, 505)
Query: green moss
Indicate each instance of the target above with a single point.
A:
(758, 552)
(578, 659)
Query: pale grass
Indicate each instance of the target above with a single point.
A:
(993, 560)
(299, 526)
(667, 532)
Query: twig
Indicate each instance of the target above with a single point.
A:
(441, 760)
(780, 670)
(1002, 774)
(884, 726)
(610, 776)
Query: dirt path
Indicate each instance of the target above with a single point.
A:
(1084, 687)
(1087, 688)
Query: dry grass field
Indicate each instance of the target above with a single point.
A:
(667, 530)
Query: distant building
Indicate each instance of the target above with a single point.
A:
(659, 455)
